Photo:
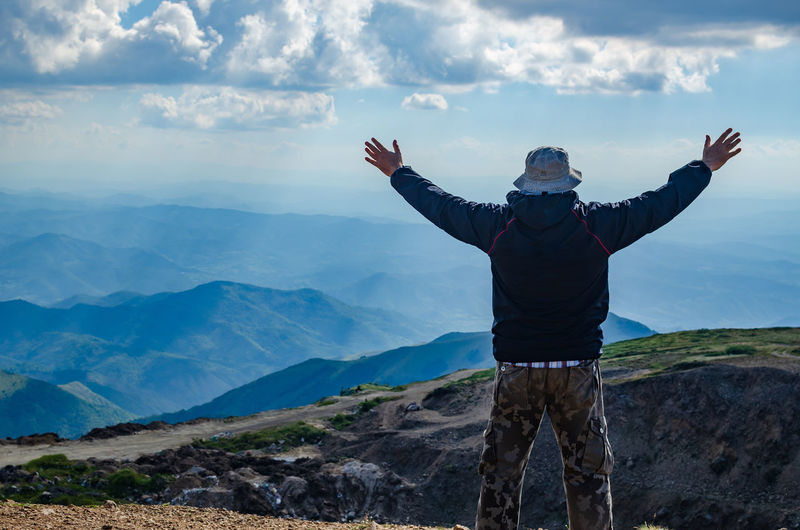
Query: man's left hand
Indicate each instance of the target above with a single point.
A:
(383, 159)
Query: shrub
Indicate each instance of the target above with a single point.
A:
(340, 421)
(740, 349)
(126, 483)
(57, 465)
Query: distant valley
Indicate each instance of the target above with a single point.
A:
(164, 352)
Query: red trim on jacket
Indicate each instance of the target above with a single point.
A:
(589, 231)
(503, 231)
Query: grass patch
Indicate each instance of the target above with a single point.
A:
(363, 388)
(324, 402)
(477, 377)
(57, 466)
(285, 437)
(741, 349)
(340, 421)
(661, 352)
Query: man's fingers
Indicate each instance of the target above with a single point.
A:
(396, 147)
(723, 135)
(379, 145)
(371, 151)
(708, 142)
(733, 154)
(371, 162)
(731, 142)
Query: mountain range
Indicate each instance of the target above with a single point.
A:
(164, 352)
(67, 248)
(202, 351)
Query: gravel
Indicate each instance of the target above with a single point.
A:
(14, 516)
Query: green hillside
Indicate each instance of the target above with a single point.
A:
(174, 350)
(315, 378)
(671, 351)
(29, 406)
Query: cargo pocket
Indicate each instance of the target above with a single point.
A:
(488, 456)
(597, 456)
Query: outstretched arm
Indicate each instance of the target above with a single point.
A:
(470, 222)
(620, 224)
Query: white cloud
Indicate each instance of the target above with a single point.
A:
(175, 23)
(204, 5)
(445, 46)
(302, 42)
(24, 112)
(60, 36)
(425, 102)
(56, 37)
(203, 107)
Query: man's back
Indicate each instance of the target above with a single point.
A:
(549, 256)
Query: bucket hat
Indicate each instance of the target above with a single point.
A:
(547, 169)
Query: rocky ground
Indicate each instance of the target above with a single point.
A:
(701, 445)
(163, 517)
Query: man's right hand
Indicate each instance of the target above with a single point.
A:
(383, 159)
(715, 155)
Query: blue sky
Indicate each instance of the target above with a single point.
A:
(128, 95)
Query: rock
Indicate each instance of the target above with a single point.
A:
(413, 406)
(111, 505)
(186, 481)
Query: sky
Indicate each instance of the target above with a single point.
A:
(142, 94)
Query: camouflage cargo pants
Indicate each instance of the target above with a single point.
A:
(573, 398)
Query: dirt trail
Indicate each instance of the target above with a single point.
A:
(149, 442)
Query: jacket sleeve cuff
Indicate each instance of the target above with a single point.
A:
(699, 164)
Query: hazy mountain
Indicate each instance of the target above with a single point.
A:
(30, 406)
(310, 380)
(724, 269)
(457, 299)
(109, 300)
(173, 350)
(50, 266)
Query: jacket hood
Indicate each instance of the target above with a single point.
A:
(540, 211)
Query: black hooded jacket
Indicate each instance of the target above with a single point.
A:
(549, 256)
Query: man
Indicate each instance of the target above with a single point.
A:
(549, 258)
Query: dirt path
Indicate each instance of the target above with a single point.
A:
(149, 442)
(15, 516)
